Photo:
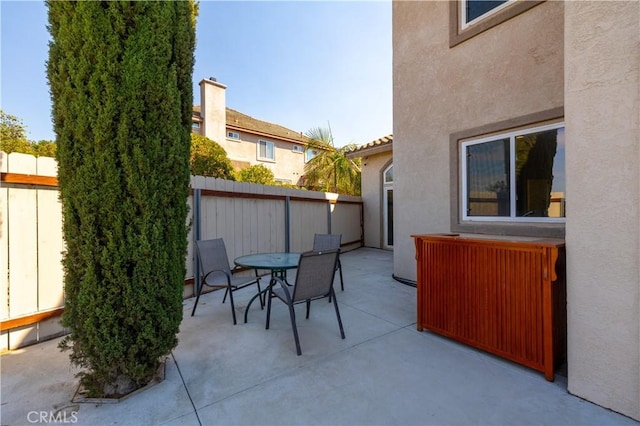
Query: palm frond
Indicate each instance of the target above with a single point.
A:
(330, 170)
(320, 136)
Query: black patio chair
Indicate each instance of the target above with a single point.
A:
(329, 242)
(216, 272)
(314, 280)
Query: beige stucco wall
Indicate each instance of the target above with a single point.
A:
(511, 70)
(372, 168)
(288, 164)
(602, 48)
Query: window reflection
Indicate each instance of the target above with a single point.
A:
(488, 178)
(522, 175)
(477, 8)
(388, 175)
(536, 162)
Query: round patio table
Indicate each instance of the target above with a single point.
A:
(277, 263)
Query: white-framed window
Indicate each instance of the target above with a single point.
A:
(309, 154)
(233, 135)
(473, 11)
(387, 206)
(266, 151)
(517, 176)
(297, 148)
(388, 175)
(195, 124)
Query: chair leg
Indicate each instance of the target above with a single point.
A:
(341, 281)
(197, 298)
(292, 314)
(308, 306)
(335, 304)
(261, 297)
(233, 308)
(224, 299)
(268, 295)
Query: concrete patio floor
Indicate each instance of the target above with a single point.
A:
(384, 372)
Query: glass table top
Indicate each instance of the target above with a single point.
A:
(273, 261)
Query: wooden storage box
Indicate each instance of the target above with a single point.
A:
(506, 297)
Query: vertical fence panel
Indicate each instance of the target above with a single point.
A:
(50, 241)
(23, 250)
(191, 227)
(4, 254)
(263, 223)
(4, 247)
(242, 217)
(345, 220)
(23, 241)
(307, 218)
(238, 228)
(271, 223)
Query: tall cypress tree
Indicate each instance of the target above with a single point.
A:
(120, 81)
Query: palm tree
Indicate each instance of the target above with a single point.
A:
(330, 170)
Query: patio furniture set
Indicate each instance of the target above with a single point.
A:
(315, 273)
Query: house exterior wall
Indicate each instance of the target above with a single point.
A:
(288, 165)
(512, 70)
(602, 64)
(372, 168)
(240, 149)
(517, 69)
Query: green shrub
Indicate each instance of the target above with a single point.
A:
(120, 80)
(44, 148)
(256, 174)
(209, 159)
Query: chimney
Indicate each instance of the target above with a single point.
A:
(213, 109)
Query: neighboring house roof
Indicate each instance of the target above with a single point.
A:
(378, 146)
(242, 122)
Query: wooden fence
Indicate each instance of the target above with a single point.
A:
(251, 218)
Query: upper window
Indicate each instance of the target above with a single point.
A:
(309, 154)
(517, 176)
(469, 18)
(388, 175)
(233, 135)
(266, 151)
(297, 148)
(475, 10)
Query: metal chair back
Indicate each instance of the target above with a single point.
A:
(329, 242)
(326, 241)
(315, 274)
(212, 255)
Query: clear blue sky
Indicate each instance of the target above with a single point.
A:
(298, 64)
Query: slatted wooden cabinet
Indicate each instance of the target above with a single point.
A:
(504, 297)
